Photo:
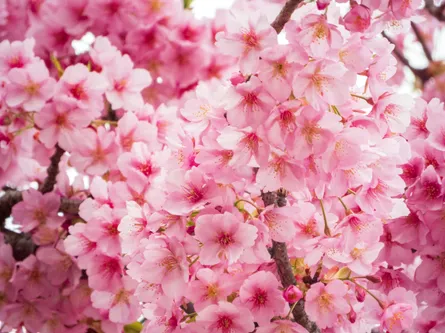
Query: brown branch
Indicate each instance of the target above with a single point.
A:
(285, 14)
(284, 268)
(422, 41)
(436, 11)
(52, 171)
(22, 244)
(422, 74)
(7, 201)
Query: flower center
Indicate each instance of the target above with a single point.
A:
(225, 239)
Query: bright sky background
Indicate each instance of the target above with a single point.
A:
(207, 8)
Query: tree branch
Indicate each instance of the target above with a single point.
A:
(422, 74)
(285, 14)
(52, 171)
(421, 40)
(284, 268)
(436, 11)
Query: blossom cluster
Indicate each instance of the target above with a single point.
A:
(175, 224)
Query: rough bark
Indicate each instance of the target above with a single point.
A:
(285, 14)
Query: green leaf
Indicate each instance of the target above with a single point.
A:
(135, 327)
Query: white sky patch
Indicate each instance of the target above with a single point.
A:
(207, 8)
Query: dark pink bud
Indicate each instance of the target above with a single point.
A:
(322, 4)
(360, 294)
(352, 316)
(374, 279)
(292, 294)
(358, 19)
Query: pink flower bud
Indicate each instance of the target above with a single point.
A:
(237, 78)
(292, 294)
(360, 294)
(322, 4)
(352, 316)
(374, 279)
(358, 19)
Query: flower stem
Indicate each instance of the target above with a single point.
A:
(291, 309)
(347, 210)
(370, 293)
(327, 231)
(249, 202)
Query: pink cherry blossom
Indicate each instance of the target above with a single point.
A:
(59, 121)
(121, 303)
(30, 87)
(325, 303)
(226, 317)
(224, 238)
(37, 209)
(317, 36)
(84, 87)
(105, 272)
(292, 294)
(358, 19)
(208, 288)
(248, 104)
(260, 294)
(166, 263)
(246, 37)
(16, 54)
(94, 151)
(126, 84)
(323, 82)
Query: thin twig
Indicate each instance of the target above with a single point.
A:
(285, 14)
(422, 41)
(422, 74)
(436, 11)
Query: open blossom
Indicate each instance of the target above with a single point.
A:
(94, 152)
(427, 190)
(17, 54)
(246, 37)
(226, 317)
(78, 244)
(224, 238)
(166, 263)
(208, 288)
(126, 84)
(325, 303)
(323, 82)
(59, 121)
(37, 209)
(30, 87)
(188, 191)
(248, 104)
(84, 87)
(122, 303)
(260, 294)
(400, 311)
(105, 272)
(317, 35)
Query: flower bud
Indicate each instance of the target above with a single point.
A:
(292, 294)
(358, 19)
(360, 294)
(352, 316)
(322, 4)
(374, 279)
